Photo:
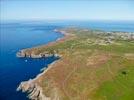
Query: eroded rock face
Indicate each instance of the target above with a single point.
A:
(36, 56)
(33, 89)
(35, 92)
(21, 53)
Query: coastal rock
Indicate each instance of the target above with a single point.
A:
(21, 53)
(36, 56)
(43, 55)
(33, 89)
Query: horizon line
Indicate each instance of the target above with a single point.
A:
(4, 20)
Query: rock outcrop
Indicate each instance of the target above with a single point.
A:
(33, 89)
(23, 53)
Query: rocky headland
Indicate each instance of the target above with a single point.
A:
(31, 86)
(31, 52)
(88, 60)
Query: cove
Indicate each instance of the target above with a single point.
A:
(13, 70)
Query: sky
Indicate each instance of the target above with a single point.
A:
(67, 10)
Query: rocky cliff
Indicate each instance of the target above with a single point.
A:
(33, 89)
(24, 53)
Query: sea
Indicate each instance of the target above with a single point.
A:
(17, 35)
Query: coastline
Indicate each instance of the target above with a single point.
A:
(25, 52)
(61, 70)
(31, 86)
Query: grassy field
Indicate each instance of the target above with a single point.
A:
(90, 68)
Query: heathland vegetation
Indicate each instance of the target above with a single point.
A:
(93, 65)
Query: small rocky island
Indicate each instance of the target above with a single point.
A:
(91, 63)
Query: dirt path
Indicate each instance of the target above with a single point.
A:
(64, 82)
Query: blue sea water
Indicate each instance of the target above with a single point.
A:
(19, 35)
(13, 70)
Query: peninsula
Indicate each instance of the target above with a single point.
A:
(93, 65)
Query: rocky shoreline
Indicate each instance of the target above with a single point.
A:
(58, 74)
(34, 91)
(31, 86)
(25, 52)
